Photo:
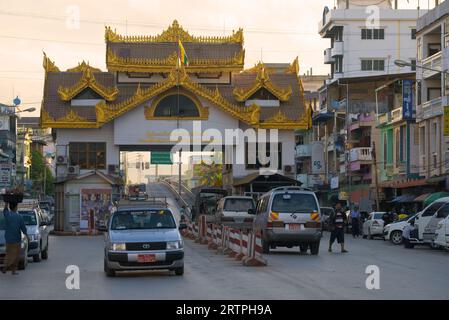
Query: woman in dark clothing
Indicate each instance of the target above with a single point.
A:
(337, 222)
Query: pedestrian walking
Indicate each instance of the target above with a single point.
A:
(355, 221)
(337, 221)
(14, 226)
(407, 234)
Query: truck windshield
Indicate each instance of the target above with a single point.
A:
(294, 203)
(148, 219)
(238, 204)
(29, 217)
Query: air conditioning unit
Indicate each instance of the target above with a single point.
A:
(288, 169)
(113, 169)
(73, 170)
(61, 160)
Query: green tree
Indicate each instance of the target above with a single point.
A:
(210, 174)
(38, 171)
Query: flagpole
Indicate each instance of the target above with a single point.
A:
(178, 63)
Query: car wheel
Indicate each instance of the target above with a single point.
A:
(303, 248)
(265, 247)
(396, 237)
(434, 246)
(109, 272)
(370, 237)
(314, 248)
(37, 258)
(179, 271)
(364, 236)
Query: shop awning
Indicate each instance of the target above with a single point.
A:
(422, 197)
(435, 196)
(322, 117)
(406, 198)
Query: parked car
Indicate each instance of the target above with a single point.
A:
(236, 211)
(143, 239)
(442, 234)
(373, 226)
(23, 262)
(206, 200)
(427, 221)
(393, 231)
(38, 233)
(326, 212)
(287, 217)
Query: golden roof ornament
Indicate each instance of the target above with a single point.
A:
(49, 66)
(173, 33)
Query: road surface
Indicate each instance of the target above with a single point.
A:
(404, 274)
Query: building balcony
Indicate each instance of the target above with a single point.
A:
(304, 150)
(400, 168)
(342, 158)
(383, 119)
(396, 115)
(337, 50)
(328, 59)
(429, 109)
(361, 154)
(432, 62)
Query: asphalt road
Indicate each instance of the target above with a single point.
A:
(404, 274)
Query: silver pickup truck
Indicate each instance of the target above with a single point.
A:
(143, 239)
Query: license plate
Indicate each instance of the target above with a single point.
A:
(295, 227)
(146, 258)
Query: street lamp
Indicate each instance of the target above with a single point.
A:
(32, 109)
(402, 64)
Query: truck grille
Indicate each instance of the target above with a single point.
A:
(145, 246)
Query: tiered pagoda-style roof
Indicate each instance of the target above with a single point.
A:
(157, 54)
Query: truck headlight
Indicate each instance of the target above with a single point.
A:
(174, 244)
(118, 247)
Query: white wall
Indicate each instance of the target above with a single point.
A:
(398, 43)
(103, 134)
(133, 129)
(287, 138)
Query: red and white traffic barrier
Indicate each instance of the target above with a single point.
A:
(243, 245)
(213, 239)
(255, 258)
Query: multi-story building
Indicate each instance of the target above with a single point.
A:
(433, 96)
(7, 146)
(365, 41)
(304, 138)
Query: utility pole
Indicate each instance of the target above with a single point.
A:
(376, 182)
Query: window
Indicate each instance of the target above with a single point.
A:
(373, 65)
(88, 155)
(413, 62)
(141, 220)
(339, 64)
(413, 31)
(294, 202)
(258, 165)
(373, 34)
(432, 209)
(433, 48)
(168, 107)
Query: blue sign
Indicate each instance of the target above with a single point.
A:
(408, 110)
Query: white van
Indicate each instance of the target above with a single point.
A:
(442, 234)
(427, 221)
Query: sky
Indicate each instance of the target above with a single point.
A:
(274, 31)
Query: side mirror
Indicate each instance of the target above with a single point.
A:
(182, 226)
(251, 211)
(102, 228)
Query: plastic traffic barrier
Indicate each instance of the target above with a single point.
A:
(255, 257)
